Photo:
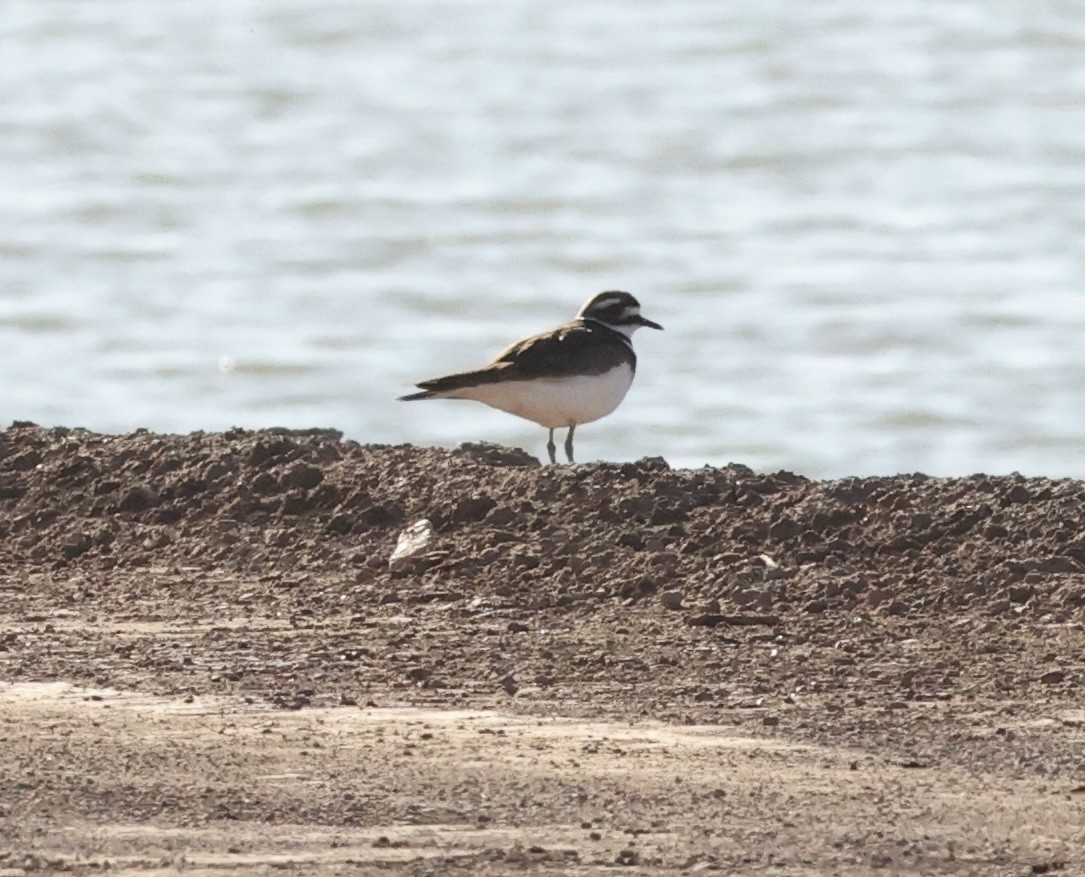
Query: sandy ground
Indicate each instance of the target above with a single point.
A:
(207, 665)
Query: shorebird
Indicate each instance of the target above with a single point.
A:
(574, 374)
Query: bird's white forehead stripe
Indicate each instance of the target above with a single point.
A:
(607, 302)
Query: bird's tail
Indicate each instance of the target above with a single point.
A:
(451, 386)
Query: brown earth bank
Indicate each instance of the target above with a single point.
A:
(207, 663)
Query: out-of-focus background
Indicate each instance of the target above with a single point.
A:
(861, 224)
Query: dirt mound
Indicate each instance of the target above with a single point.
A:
(660, 578)
(726, 540)
(913, 624)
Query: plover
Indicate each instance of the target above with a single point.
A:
(571, 375)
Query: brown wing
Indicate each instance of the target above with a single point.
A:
(573, 349)
(576, 348)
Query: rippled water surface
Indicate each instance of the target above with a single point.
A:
(861, 224)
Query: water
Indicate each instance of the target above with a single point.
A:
(861, 224)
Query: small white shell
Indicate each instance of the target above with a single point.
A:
(413, 543)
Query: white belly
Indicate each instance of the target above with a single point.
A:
(558, 402)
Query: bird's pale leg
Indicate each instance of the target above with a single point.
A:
(569, 442)
(552, 448)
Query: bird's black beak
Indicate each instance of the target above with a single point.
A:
(643, 321)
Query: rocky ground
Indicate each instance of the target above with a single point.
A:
(206, 662)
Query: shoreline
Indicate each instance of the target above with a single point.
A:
(930, 631)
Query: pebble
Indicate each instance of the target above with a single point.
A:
(877, 596)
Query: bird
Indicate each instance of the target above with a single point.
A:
(574, 374)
